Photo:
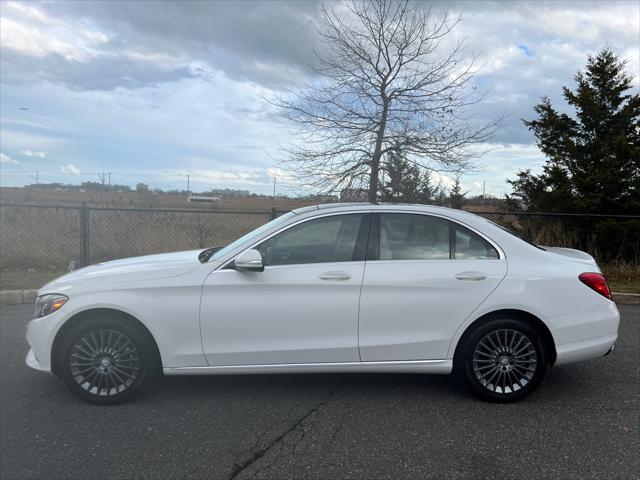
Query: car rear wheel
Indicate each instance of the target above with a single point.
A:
(105, 361)
(503, 360)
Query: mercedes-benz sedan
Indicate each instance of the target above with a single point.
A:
(332, 288)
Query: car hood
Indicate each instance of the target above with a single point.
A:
(129, 270)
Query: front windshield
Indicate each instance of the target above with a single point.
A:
(251, 235)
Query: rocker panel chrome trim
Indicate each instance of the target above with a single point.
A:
(412, 366)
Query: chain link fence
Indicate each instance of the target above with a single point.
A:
(44, 237)
(39, 238)
(51, 237)
(608, 238)
(115, 233)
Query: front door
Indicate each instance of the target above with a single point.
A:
(303, 308)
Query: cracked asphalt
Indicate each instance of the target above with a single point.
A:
(581, 423)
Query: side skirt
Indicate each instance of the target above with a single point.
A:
(412, 366)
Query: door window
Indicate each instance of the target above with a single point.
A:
(327, 239)
(468, 245)
(413, 237)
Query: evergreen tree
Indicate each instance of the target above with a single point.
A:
(593, 158)
(457, 197)
(427, 191)
(405, 182)
(440, 196)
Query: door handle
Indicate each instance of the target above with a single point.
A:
(334, 276)
(477, 276)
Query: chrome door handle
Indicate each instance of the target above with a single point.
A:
(334, 276)
(477, 276)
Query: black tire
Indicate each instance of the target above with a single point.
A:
(503, 360)
(106, 360)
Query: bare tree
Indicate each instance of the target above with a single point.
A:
(198, 227)
(382, 84)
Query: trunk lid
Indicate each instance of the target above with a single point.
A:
(573, 255)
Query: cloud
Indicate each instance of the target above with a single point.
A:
(30, 153)
(442, 180)
(144, 43)
(7, 159)
(39, 44)
(30, 31)
(147, 86)
(69, 169)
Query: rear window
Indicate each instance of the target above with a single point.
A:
(501, 227)
(413, 237)
(468, 245)
(408, 236)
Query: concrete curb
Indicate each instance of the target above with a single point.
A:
(626, 298)
(16, 297)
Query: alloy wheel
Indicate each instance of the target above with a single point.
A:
(504, 361)
(104, 362)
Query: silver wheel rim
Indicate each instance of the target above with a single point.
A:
(504, 361)
(104, 362)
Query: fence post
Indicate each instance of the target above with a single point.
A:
(584, 234)
(84, 235)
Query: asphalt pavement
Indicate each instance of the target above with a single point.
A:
(581, 423)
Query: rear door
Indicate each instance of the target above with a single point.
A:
(424, 275)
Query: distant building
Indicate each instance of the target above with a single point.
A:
(348, 195)
(142, 187)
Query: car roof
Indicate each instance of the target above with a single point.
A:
(401, 207)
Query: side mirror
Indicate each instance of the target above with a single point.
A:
(249, 261)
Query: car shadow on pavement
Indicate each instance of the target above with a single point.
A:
(297, 384)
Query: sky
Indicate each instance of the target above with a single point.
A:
(155, 91)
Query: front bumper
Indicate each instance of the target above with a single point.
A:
(32, 361)
(40, 335)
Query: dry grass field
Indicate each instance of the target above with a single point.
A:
(49, 238)
(144, 200)
(39, 243)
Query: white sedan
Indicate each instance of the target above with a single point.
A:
(331, 288)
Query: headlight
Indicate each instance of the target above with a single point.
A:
(49, 303)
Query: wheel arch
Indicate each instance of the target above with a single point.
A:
(522, 315)
(96, 313)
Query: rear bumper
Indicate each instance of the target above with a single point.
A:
(585, 334)
(585, 350)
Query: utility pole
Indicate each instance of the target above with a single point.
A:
(483, 185)
(274, 192)
(188, 183)
(37, 176)
(273, 205)
(109, 179)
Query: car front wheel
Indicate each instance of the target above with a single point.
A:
(105, 361)
(504, 360)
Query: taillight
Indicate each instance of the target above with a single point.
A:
(596, 282)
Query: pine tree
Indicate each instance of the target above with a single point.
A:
(405, 182)
(457, 197)
(593, 158)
